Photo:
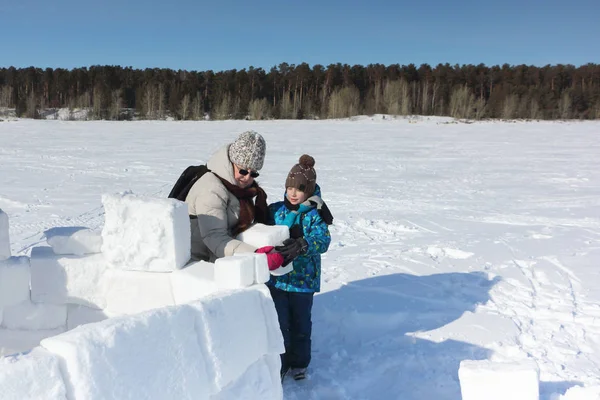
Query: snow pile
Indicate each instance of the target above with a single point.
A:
(182, 333)
(499, 381)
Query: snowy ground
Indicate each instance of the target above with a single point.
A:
(451, 241)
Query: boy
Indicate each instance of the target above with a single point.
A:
(309, 238)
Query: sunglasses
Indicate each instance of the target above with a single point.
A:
(245, 172)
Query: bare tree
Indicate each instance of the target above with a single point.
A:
(116, 104)
(184, 108)
(462, 102)
(31, 106)
(6, 96)
(344, 102)
(259, 109)
(564, 106)
(197, 107)
(510, 105)
(222, 110)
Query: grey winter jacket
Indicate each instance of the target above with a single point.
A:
(217, 211)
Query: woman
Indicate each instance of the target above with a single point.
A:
(227, 200)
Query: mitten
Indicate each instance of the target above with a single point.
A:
(274, 259)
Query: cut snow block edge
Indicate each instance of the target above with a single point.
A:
(193, 282)
(145, 233)
(4, 236)
(260, 235)
(130, 292)
(15, 275)
(235, 272)
(74, 240)
(231, 345)
(485, 379)
(35, 375)
(146, 350)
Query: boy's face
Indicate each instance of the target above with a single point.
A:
(295, 196)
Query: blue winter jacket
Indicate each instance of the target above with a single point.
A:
(306, 276)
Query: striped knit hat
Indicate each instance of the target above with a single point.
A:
(248, 151)
(303, 176)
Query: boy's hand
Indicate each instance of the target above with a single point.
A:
(292, 248)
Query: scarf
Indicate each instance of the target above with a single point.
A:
(249, 211)
(297, 211)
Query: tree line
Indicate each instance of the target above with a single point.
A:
(304, 92)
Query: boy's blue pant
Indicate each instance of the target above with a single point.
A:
(294, 311)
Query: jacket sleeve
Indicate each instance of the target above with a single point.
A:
(211, 209)
(316, 234)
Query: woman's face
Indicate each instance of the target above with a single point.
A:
(295, 196)
(242, 180)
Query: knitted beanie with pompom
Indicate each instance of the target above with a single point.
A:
(303, 176)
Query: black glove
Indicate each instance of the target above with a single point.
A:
(292, 248)
(296, 231)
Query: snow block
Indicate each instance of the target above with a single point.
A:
(235, 332)
(260, 235)
(152, 355)
(74, 240)
(31, 377)
(499, 381)
(193, 282)
(145, 234)
(14, 281)
(261, 269)
(130, 292)
(81, 315)
(261, 381)
(59, 279)
(17, 341)
(32, 317)
(235, 271)
(4, 237)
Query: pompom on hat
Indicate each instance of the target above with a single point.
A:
(303, 176)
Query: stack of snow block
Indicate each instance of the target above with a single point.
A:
(225, 346)
(498, 380)
(133, 265)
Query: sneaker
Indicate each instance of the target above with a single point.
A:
(298, 373)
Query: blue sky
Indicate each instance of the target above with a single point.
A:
(228, 34)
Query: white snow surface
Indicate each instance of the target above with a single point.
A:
(451, 242)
